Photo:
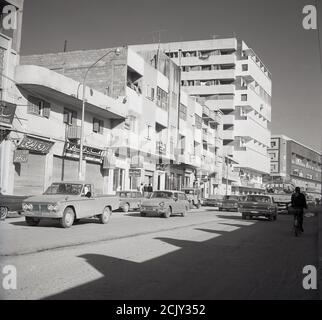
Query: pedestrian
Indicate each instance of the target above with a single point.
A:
(298, 201)
(150, 189)
(141, 188)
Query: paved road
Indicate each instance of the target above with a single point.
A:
(205, 255)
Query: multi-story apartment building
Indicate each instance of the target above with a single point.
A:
(10, 39)
(294, 163)
(138, 128)
(226, 75)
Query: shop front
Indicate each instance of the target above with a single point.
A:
(30, 165)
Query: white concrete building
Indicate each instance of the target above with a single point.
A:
(226, 75)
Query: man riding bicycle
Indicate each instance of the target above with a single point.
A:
(298, 202)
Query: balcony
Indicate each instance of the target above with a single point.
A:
(73, 132)
(210, 90)
(229, 119)
(228, 135)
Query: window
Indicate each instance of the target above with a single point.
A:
(162, 99)
(38, 107)
(198, 121)
(98, 126)
(182, 112)
(244, 97)
(274, 167)
(245, 67)
(129, 123)
(70, 117)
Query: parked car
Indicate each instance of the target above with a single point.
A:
(165, 203)
(130, 200)
(10, 203)
(194, 196)
(229, 203)
(213, 201)
(258, 205)
(69, 201)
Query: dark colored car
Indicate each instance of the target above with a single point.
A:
(130, 200)
(10, 203)
(258, 205)
(213, 201)
(229, 203)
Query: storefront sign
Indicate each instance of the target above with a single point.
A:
(160, 166)
(35, 144)
(87, 151)
(135, 172)
(20, 156)
(7, 112)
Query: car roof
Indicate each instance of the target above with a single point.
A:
(73, 182)
(169, 191)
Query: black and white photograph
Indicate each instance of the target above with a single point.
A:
(160, 151)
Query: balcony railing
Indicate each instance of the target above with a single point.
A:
(73, 132)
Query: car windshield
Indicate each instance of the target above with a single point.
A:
(230, 197)
(64, 188)
(161, 194)
(253, 198)
(124, 194)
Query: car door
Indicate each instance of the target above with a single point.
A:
(176, 203)
(88, 205)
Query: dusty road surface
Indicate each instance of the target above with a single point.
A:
(205, 255)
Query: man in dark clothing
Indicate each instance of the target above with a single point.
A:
(150, 189)
(299, 202)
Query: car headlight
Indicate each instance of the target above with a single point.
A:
(52, 207)
(161, 204)
(27, 206)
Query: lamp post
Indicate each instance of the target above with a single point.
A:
(80, 164)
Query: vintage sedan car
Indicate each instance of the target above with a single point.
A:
(10, 203)
(258, 205)
(165, 203)
(194, 196)
(130, 200)
(213, 201)
(229, 203)
(69, 202)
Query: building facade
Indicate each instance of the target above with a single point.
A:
(294, 163)
(139, 126)
(226, 75)
(10, 40)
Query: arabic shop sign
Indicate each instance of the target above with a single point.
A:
(7, 112)
(87, 150)
(20, 156)
(34, 144)
(135, 172)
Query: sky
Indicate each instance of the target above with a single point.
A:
(272, 28)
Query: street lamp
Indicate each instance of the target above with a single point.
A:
(80, 164)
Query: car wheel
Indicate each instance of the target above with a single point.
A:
(143, 214)
(126, 208)
(105, 216)
(32, 221)
(3, 213)
(68, 218)
(167, 214)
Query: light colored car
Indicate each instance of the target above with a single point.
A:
(194, 196)
(69, 201)
(165, 203)
(130, 200)
(258, 205)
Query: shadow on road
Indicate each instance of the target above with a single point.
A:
(260, 261)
